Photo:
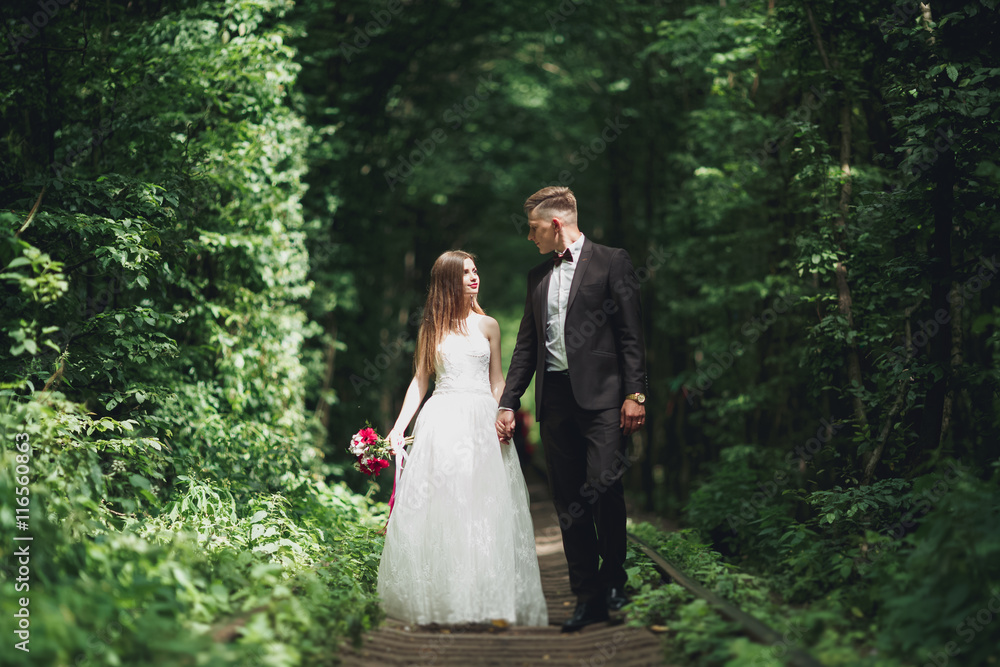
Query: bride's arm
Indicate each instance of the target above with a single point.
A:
(491, 329)
(414, 395)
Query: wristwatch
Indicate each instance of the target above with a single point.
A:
(639, 398)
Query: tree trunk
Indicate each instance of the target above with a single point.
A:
(956, 358)
(940, 341)
(323, 406)
(853, 361)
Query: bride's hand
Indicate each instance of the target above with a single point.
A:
(505, 425)
(396, 440)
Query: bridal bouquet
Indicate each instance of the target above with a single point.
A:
(373, 451)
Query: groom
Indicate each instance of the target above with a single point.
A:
(581, 337)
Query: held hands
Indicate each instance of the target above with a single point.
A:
(505, 425)
(632, 417)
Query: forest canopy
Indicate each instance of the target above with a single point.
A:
(217, 221)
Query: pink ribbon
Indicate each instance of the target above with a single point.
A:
(400, 457)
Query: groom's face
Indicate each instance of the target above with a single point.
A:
(543, 233)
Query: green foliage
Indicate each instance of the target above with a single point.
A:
(890, 265)
(935, 585)
(832, 628)
(201, 574)
(908, 565)
(150, 343)
(238, 203)
(821, 553)
(744, 503)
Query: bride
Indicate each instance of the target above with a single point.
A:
(459, 546)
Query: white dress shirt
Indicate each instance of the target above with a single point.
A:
(558, 299)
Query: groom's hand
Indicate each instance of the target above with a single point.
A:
(632, 417)
(505, 425)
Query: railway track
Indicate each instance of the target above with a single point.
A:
(600, 645)
(753, 627)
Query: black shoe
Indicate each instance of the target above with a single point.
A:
(617, 598)
(587, 613)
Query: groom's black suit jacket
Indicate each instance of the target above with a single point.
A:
(604, 345)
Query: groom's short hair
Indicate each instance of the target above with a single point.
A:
(555, 200)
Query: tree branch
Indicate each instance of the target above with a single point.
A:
(34, 209)
(873, 457)
(816, 36)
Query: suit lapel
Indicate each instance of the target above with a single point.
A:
(541, 297)
(581, 269)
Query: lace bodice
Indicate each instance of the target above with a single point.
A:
(463, 361)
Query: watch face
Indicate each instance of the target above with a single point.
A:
(642, 398)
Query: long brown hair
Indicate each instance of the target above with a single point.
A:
(446, 309)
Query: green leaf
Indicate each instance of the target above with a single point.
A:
(140, 481)
(285, 542)
(268, 548)
(952, 72)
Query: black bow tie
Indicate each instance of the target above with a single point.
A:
(560, 257)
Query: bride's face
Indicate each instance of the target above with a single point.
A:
(471, 278)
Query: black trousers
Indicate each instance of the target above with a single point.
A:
(585, 454)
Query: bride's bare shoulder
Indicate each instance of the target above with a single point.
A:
(489, 326)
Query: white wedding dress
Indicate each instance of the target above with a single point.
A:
(459, 547)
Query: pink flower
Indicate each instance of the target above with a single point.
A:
(368, 436)
(372, 467)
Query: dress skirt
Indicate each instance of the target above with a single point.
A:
(459, 546)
